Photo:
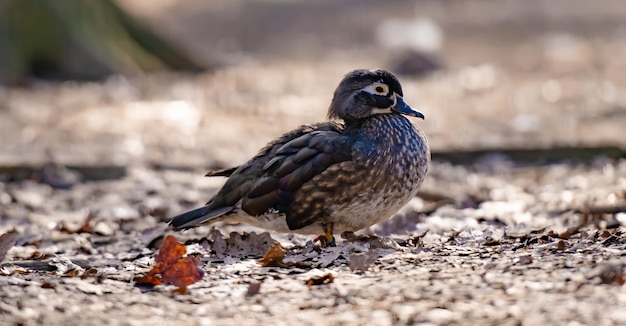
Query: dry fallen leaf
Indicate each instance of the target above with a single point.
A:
(35, 244)
(240, 245)
(47, 285)
(526, 260)
(84, 228)
(253, 289)
(324, 279)
(538, 231)
(565, 235)
(91, 272)
(274, 258)
(7, 241)
(560, 246)
(612, 274)
(170, 252)
(180, 290)
(492, 242)
(362, 261)
(73, 273)
(37, 255)
(172, 268)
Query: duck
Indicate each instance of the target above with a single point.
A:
(348, 173)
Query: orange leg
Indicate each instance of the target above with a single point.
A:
(327, 240)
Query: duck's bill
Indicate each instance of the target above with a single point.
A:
(403, 108)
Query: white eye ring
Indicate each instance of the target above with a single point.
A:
(377, 89)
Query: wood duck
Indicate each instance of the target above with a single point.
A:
(353, 171)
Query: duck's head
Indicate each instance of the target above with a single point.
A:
(364, 93)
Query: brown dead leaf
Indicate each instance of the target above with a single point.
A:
(526, 260)
(172, 268)
(253, 289)
(572, 230)
(240, 245)
(35, 244)
(324, 279)
(7, 241)
(538, 231)
(492, 242)
(183, 272)
(416, 241)
(565, 235)
(180, 290)
(362, 261)
(612, 274)
(37, 255)
(90, 272)
(170, 251)
(614, 238)
(84, 228)
(274, 258)
(72, 273)
(153, 277)
(47, 285)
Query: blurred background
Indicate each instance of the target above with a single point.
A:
(206, 83)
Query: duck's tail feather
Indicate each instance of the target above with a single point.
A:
(221, 172)
(197, 217)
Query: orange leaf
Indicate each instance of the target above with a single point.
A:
(274, 257)
(152, 278)
(171, 267)
(183, 272)
(324, 279)
(170, 251)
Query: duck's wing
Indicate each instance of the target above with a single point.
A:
(243, 178)
(268, 152)
(292, 165)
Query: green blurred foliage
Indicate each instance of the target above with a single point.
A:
(78, 40)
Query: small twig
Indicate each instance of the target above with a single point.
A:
(604, 209)
(43, 265)
(593, 210)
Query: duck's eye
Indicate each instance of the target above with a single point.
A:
(377, 89)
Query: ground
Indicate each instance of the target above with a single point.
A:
(521, 219)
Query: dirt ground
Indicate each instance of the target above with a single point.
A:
(504, 246)
(509, 228)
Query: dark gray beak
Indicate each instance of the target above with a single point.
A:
(403, 108)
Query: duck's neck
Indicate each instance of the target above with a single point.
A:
(381, 126)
